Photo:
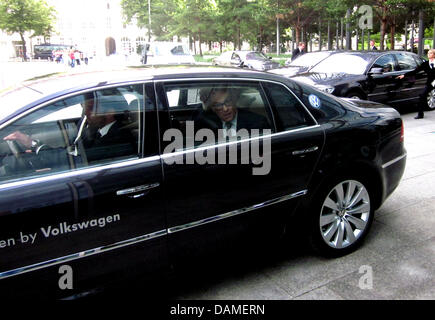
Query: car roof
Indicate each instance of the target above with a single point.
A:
(33, 92)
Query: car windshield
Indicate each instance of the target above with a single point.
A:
(342, 63)
(256, 56)
(162, 49)
(309, 59)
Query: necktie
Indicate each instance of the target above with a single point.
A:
(431, 65)
(228, 126)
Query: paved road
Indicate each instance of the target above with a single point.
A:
(12, 73)
(400, 249)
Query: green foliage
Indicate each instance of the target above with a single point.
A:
(254, 21)
(20, 16)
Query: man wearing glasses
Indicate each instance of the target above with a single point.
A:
(221, 112)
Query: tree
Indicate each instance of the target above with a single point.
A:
(21, 16)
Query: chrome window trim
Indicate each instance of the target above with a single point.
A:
(77, 172)
(234, 212)
(149, 236)
(82, 254)
(389, 163)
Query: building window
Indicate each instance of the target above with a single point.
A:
(126, 45)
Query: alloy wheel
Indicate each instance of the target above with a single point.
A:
(345, 214)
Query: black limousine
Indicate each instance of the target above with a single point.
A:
(370, 75)
(139, 169)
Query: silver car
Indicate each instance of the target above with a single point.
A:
(246, 59)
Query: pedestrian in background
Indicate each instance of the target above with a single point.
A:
(300, 50)
(72, 58)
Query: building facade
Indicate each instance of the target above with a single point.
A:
(95, 27)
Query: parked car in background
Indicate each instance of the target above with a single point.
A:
(161, 52)
(303, 63)
(370, 75)
(246, 59)
(137, 204)
(46, 51)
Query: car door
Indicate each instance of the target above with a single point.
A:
(383, 87)
(212, 203)
(410, 87)
(95, 208)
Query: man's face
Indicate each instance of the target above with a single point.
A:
(372, 43)
(431, 55)
(222, 104)
(92, 119)
(302, 46)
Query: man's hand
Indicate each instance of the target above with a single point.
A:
(22, 138)
(400, 77)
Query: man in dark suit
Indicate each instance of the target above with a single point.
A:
(222, 113)
(372, 45)
(101, 133)
(104, 136)
(298, 51)
(429, 68)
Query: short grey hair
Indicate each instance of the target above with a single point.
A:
(206, 93)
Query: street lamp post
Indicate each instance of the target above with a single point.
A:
(149, 20)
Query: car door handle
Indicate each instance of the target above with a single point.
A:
(136, 190)
(305, 151)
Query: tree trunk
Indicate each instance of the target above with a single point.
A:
(239, 46)
(433, 42)
(320, 34)
(24, 46)
(260, 40)
(420, 33)
(298, 32)
(383, 27)
(348, 35)
(329, 36)
(341, 34)
(199, 41)
(392, 33)
(406, 34)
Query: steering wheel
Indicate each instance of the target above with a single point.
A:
(16, 151)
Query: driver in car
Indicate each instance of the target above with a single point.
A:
(102, 137)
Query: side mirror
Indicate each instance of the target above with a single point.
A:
(376, 71)
(270, 58)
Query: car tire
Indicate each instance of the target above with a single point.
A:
(430, 100)
(341, 215)
(355, 95)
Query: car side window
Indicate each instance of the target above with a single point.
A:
(290, 112)
(88, 129)
(223, 109)
(406, 61)
(235, 57)
(387, 63)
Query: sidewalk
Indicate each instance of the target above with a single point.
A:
(13, 73)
